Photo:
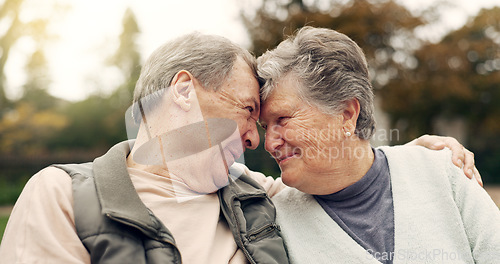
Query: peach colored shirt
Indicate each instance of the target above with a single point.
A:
(41, 227)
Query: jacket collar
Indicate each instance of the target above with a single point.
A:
(241, 188)
(116, 192)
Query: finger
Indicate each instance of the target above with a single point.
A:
(468, 163)
(437, 145)
(469, 173)
(433, 142)
(430, 142)
(477, 175)
(458, 152)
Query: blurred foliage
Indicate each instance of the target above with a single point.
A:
(25, 129)
(457, 78)
(127, 57)
(374, 25)
(419, 82)
(98, 121)
(18, 27)
(39, 129)
(3, 223)
(38, 121)
(28, 123)
(8, 11)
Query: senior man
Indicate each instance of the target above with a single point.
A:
(165, 197)
(136, 204)
(352, 203)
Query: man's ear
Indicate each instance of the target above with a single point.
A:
(183, 89)
(350, 114)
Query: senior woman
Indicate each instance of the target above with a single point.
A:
(352, 203)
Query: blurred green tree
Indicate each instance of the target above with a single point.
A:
(97, 122)
(25, 130)
(128, 59)
(28, 122)
(34, 28)
(34, 119)
(381, 28)
(9, 12)
(37, 81)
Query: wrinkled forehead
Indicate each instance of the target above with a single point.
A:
(286, 87)
(243, 80)
(266, 106)
(279, 102)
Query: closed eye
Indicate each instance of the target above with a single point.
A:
(264, 126)
(282, 119)
(250, 109)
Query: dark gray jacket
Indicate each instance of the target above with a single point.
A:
(116, 227)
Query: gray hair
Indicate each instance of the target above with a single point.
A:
(209, 58)
(331, 69)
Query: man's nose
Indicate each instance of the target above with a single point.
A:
(251, 138)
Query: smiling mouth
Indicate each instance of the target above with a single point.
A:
(284, 158)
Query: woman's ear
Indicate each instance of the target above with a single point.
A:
(182, 89)
(350, 115)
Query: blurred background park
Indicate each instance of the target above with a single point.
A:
(68, 69)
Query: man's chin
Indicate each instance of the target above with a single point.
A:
(223, 183)
(211, 186)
